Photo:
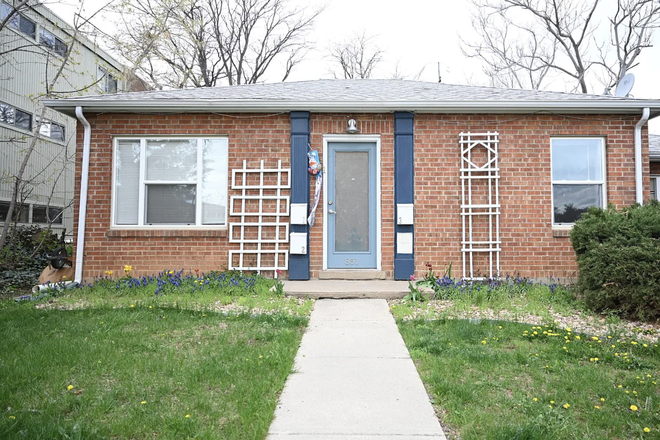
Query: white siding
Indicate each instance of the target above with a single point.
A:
(23, 79)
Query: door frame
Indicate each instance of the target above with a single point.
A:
(352, 138)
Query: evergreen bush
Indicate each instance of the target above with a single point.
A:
(618, 256)
(22, 259)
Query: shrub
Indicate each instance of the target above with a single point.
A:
(618, 255)
(22, 258)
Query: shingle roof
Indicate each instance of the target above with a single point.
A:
(352, 90)
(352, 95)
(654, 146)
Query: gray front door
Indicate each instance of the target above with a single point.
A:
(351, 205)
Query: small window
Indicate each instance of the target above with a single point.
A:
(578, 177)
(170, 182)
(46, 214)
(53, 43)
(107, 82)
(655, 180)
(21, 212)
(51, 129)
(18, 21)
(13, 116)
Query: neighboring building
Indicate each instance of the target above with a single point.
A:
(654, 157)
(489, 180)
(33, 44)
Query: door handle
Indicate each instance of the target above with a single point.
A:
(330, 211)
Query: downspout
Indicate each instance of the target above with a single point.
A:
(82, 208)
(639, 184)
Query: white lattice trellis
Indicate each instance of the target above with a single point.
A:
(480, 208)
(261, 207)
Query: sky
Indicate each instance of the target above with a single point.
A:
(415, 35)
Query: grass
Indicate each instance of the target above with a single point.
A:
(107, 362)
(501, 380)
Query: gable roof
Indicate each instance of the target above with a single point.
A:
(367, 95)
(654, 147)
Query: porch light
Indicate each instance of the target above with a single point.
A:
(352, 129)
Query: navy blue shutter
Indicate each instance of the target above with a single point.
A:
(404, 187)
(299, 264)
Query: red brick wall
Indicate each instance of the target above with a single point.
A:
(530, 247)
(251, 137)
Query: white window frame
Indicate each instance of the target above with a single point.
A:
(143, 182)
(45, 128)
(602, 183)
(58, 43)
(104, 75)
(655, 180)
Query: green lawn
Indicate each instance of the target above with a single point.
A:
(143, 370)
(501, 380)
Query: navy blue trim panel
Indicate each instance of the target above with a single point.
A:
(299, 264)
(404, 187)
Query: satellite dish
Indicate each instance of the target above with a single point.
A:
(625, 85)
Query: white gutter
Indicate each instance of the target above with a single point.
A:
(639, 183)
(82, 208)
(163, 104)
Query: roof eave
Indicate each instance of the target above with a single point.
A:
(68, 106)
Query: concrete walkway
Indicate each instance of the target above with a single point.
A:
(354, 380)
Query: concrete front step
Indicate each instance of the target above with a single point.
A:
(339, 274)
(341, 289)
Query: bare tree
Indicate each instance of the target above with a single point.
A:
(522, 42)
(356, 57)
(204, 43)
(631, 29)
(55, 73)
(513, 55)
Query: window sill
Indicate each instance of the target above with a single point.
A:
(122, 233)
(562, 232)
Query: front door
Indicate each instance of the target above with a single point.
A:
(351, 205)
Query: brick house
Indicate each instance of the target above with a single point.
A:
(489, 180)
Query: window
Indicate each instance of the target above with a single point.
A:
(655, 180)
(46, 214)
(160, 182)
(53, 43)
(21, 213)
(107, 82)
(18, 21)
(13, 116)
(578, 177)
(51, 129)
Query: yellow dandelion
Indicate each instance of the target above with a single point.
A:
(602, 399)
(566, 405)
(70, 387)
(596, 406)
(144, 402)
(14, 418)
(552, 401)
(647, 430)
(633, 407)
(187, 416)
(483, 342)
(132, 305)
